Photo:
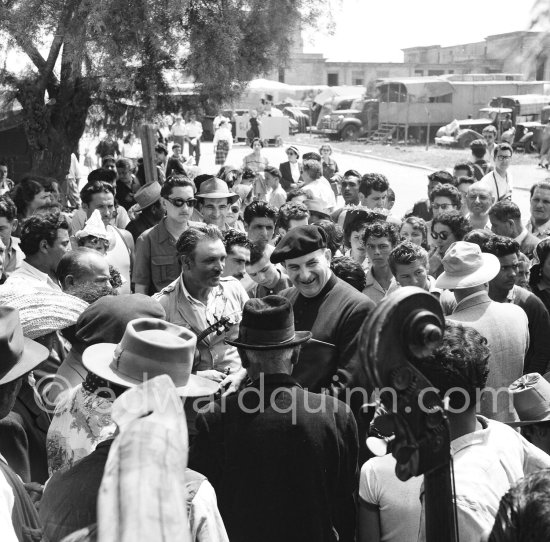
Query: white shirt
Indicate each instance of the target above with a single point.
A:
(320, 189)
(193, 129)
(519, 239)
(30, 277)
(500, 187)
(295, 171)
(541, 232)
(398, 501)
(7, 499)
(486, 463)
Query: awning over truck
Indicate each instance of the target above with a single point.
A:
(415, 87)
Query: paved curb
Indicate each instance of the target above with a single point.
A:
(389, 160)
(373, 157)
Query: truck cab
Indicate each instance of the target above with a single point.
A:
(359, 118)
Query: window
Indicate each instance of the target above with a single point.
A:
(357, 78)
(436, 72)
(419, 73)
(332, 79)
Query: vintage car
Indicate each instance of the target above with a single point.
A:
(460, 133)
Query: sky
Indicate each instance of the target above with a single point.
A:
(376, 31)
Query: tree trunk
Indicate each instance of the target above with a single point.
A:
(54, 130)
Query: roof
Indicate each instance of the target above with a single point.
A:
(421, 86)
(526, 98)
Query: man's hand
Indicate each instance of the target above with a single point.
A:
(212, 374)
(35, 491)
(233, 382)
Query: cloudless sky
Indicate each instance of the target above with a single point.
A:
(377, 30)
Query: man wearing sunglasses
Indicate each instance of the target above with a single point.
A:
(214, 200)
(156, 255)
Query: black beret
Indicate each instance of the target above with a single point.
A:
(298, 242)
(311, 156)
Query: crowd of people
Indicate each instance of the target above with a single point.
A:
(249, 288)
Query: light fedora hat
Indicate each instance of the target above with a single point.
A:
(465, 266)
(531, 396)
(216, 188)
(147, 195)
(150, 347)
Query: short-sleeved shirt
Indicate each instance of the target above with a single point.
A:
(156, 264)
(398, 502)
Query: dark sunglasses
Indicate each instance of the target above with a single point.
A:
(442, 235)
(235, 209)
(180, 202)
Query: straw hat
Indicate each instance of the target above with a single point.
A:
(531, 396)
(94, 227)
(216, 188)
(150, 347)
(43, 311)
(147, 195)
(465, 266)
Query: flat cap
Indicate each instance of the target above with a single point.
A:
(299, 242)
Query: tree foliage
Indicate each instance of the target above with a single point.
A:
(115, 52)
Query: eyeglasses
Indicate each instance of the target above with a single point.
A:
(180, 202)
(502, 158)
(235, 209)
(444, 235)
(442, 206)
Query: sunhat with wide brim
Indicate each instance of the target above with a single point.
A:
(18, 354)
(42, 310)
(150, 347)
(268, 324)
(215, 188)
(465, 266)
(531, 396)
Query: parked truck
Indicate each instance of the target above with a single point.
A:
(359, 119)
(414, 105)
(523, 111)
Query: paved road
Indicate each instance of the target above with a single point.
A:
(409, 183)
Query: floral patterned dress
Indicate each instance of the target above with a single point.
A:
(82, 419)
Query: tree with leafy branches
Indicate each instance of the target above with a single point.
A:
(114, 52)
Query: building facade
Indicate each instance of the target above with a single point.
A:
(522, 52)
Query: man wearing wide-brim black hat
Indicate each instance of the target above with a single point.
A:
(325, 305)
(281, 459)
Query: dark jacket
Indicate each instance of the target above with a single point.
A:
(537, 359)
(23, 437)
(286, 175)
(334, 316)
(140, 224)
(283, 462)
(69, 502)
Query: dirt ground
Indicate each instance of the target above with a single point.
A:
(435, 157)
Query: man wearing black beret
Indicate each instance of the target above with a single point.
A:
(325, 305)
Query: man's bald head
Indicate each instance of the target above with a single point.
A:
(84, 273)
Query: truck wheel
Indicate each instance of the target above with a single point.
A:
(349, 133)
